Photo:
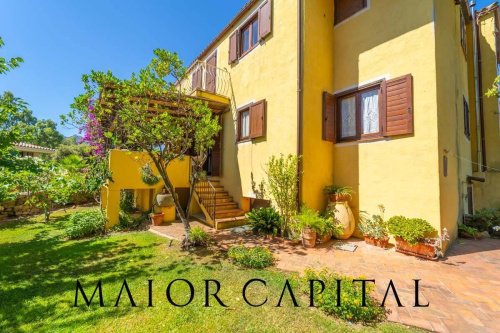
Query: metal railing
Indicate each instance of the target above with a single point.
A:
(207, 196)
(206, 77)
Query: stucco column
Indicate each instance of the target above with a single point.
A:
(113, 208)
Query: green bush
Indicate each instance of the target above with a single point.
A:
(130, 222)
(374, 226)
(265, 220)
(127, 201)
(485, 218)
(310, 218)
(253, 257)
(350, 308)
(199, 237)
(412, 230)
(85, 224)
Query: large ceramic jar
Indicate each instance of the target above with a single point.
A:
(344, 216)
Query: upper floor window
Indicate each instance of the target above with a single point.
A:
(463, 33)
(347, 8)
(248, 36)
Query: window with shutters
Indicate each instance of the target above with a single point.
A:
(359, 114)
(381, 109)
(244, 124)
(249, 35)
(463, 33)
(347, 8)
(251, 121)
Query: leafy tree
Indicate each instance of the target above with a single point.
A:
(148, 112)
(494, 91)
(47, 185)
(7, 64)
(282, 181)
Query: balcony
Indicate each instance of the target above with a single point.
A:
(208, 82)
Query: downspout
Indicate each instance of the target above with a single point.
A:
(478, 78)
(300, 101)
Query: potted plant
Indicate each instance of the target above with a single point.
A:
(465, 231)
(338, 204)
(374, 228)
(147, 175)
(310, 223)
(327, 227)
(156, 218)
(338, 193)
(413, 236)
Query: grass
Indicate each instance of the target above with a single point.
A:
(39, 269)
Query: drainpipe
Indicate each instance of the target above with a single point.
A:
(478, 80)
(300, 102)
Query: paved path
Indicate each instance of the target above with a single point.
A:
(463, 289)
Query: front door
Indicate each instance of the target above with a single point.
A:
(211, 73)
(213, 163)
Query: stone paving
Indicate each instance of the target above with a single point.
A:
(463, 289)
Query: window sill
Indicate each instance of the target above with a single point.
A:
(366, 140)
(243, 141)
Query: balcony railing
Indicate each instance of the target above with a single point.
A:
(206, 77)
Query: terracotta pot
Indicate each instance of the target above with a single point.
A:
(324, 238)
(344, 216)
(422, 250)
(383, 243)
(308, 237)
(157, 219)
(338, 198)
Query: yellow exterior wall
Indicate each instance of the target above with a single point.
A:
(487, 195)
(267, 72)
(401, 173)
(452, 88)
(319, 55)
(125, 172)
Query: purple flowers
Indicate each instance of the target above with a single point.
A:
(92, 131)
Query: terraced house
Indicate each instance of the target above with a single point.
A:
(385, 96)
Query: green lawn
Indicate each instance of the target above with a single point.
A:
(39, 268)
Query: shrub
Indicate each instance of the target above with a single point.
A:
(253, 257)
(465, 230)
(282, 181)
(350, 308)
(265, 220)
(130, 222)
(199, 237)
(127, 201)
(374, 226)
(485, 218)
(85, 224)
(412, 230)
(310, 218)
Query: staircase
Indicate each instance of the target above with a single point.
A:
(220, 210)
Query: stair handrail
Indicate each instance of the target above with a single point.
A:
(209, 201)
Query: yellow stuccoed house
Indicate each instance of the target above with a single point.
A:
(384, 96)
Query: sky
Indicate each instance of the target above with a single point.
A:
(61, 40)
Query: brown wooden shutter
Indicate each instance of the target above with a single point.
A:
(196, 78)
(265, 19)
(398, 106)
(233, 47)
(328, 117)
(257, 119)
(211, 73)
